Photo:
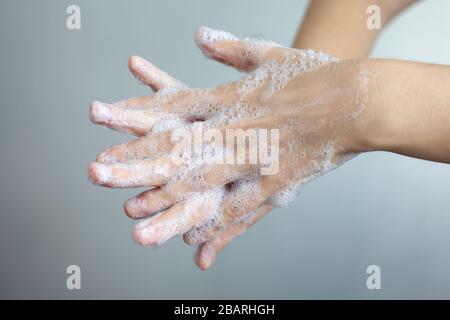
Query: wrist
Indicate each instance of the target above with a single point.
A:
(373, 126)
(408, 110)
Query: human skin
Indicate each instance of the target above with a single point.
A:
(357, 105)
(339, 27)
(268, 98)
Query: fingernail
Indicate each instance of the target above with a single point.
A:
(112, 154)
(209, 36)
(100, 112)
(144, 233)
(135, 207)
(99, 173)
(140, 69)
(107, 157)
(138, 62)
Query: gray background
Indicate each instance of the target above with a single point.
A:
(379, 208)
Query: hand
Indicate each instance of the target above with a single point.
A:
(315, 102)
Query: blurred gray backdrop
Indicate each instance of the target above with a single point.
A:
(379, 208)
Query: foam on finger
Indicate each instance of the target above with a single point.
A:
(150, 75)
(177, 220)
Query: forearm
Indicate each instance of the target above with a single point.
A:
(409, 110)
(339, 27)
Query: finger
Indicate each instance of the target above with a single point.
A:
(150, 146)
(133, 102)
(137, 121)
(245, 196)
(210, 229)
(207, 251)
(146, 173)
(148, 203)
(178, 219)
(163, 112)
(204, 179)
(244, 55)
(156, 145)
(150, 75)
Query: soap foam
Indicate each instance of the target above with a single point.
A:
(320, 164)
(200, 207)
(270, 78)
